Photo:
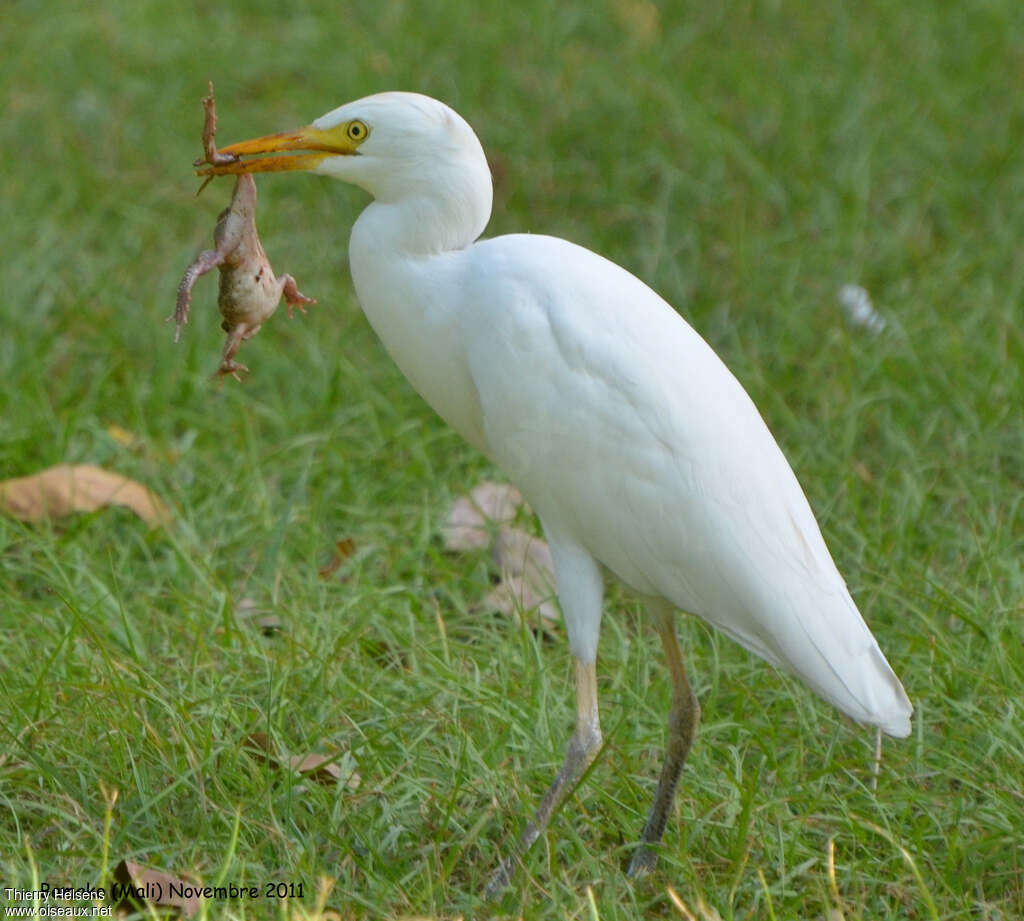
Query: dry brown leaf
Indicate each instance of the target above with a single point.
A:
(498, 502)
(484, 519)
(343, 549)
(139, 887)
(520, 553)
(258, 616)
(527, 575)
(258, 745)
(323, 769)
(270, 624)
(514, 595)
(466, 527)
(68, 488)
(320, 768)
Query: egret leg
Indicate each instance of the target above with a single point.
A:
(583, 748)
(683, 718)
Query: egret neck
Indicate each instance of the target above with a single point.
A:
(414, 311)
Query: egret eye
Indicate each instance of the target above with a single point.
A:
(357, 131)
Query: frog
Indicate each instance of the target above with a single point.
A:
(250, 292)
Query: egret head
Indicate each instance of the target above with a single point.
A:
(394, 145)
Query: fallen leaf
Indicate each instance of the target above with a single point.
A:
(498, 502)
(527, 575)
(138, 888)
(514, 595)
(317, 767)
(465, 528)
(320, 768)
(270, 625)
(258, 616)
(467, 524)
(249, 607)
(527, 581)
(343, 549)
(68, 488)
(258, 744)
(520, 553)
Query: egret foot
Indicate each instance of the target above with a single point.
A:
(644, 861)
(583, 749)
(683, 718)
(499, 879)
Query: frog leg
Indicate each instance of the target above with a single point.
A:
(236, 335)
(293, 297)
(207, 260)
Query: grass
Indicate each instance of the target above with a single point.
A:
(746, 159)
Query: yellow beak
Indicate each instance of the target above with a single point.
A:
(313, 145)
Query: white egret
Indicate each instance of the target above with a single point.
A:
(640, 452)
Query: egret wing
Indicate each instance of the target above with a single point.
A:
(625, 430)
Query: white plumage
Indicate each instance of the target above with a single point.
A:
(639, 450)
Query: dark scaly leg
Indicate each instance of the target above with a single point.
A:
(683, 718)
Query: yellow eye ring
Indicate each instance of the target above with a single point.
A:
(357, 130)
